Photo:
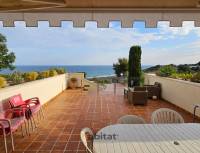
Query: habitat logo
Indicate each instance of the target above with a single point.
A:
(104, 136)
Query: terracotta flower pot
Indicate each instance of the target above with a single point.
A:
(73, 84)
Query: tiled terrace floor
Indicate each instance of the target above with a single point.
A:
(73, 110)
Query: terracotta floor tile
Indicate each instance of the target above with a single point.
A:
(57, 151)
(71, 145)
(47, 145)
(44, 151)
(34, 146)
(75, 137)
(64, 138)
(41, 137)
(59, 146)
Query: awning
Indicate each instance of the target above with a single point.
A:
(100, 11)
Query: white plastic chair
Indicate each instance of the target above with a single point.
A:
(131, 119)
(165, 115)
(84, 138)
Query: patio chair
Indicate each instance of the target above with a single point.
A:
(154, 90)
(131, 119)
(9, 124)
(165, 115)
(33, 104)
(194, 111)
(125, 92)
(138, 96)
(87, 137)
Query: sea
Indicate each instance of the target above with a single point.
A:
(90, 70)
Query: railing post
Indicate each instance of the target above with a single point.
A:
(115, 86)
(97, 88)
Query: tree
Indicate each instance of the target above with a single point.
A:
(6, 59)
(134, 66)
(184, 68)
(167, 70)
(121, 67)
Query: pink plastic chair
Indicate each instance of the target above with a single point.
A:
(32, 104)
(9, 124)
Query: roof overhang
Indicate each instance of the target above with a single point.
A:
(101, 11)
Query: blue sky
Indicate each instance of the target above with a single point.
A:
(102, 46)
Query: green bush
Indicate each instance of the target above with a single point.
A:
(52, 73)
(43, 74)
(166, 71)
(196, 78)
(6, 76)
(3, 82)
(184, 76)
(31, 76)
(134, 66)
(60, 70)
(16, 78)
(189, 76)
(175, 76)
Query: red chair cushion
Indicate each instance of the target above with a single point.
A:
(16, 100)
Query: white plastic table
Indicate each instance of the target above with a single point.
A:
(148, 138)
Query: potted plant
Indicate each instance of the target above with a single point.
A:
(73, 83)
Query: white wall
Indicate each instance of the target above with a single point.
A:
(45, 89)
(181, 93)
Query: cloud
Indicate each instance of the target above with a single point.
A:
(172, 32)
(72, 37)
(181, 54)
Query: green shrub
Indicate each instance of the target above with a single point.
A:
(16, 78)
(31, 76)
(184, 76)
(189, 76)
(43, 74)
(3, 82)
(60, 70)
(196, 78)
(52, 73)
(174, 76)
(166, 71)
(134, 66)
(6, 76)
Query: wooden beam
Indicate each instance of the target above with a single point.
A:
(31, 9)
(45, 2)
(63, 9)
